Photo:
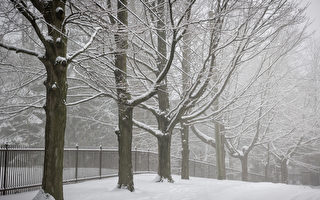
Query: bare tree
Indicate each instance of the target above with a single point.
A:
(54, 16)
(251, 28)
(127, 59)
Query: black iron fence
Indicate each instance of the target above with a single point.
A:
(21, 168)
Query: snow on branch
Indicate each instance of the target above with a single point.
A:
(23, 9)
(20, 50)
(155, 111)
(145, 96)
(232, 150)
(85, 47)
(145, 127)
(85, 100)
(203, 137)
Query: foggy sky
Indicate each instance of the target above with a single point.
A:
(313, 12)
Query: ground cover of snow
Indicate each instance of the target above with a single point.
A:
(193, 189)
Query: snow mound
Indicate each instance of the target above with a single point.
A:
(43, 196)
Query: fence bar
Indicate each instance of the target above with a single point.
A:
(76, 170)
(194, 168)
(135, 159)
(5, 169)
(148, 154)
(100, 160)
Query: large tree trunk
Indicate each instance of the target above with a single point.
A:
(186, 54)
(185, 152)
(284, 171)
(244, 167)
(124, 110)
(125, 140)
(266, 172)
(164, 142)
(164, 167)
(55, 107)
(220, 152)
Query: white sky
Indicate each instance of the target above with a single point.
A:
(313, 12)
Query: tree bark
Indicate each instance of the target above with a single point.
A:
(125, 179)
(284, 171)
(220, 152)
(125, 173)
(164, 141)
(185, 152)
(267, 166)
(55, 107)
(244, 167)
(186, 54)
(266, 172)
(164, 167)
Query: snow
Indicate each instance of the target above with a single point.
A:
(48, 38)
(41, 195)
(60, 60)
(33, 119)
(245, 149)
(54, 86)
(195, 188)
(59, 9)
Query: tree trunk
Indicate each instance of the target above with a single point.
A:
(266, 172)
(244, 167)
(185, 152)
(164, 142)
(284, 171)
(220, 152)
(164, 167)
(230, 176)
(267, 166)
(186, 53)
(56, 111)
(55, 107)
(125, 142)
(125, 179)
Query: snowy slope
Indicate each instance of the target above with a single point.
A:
(194, 189)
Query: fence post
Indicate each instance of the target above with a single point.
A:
(100, 165)
(135, 159)
(76, 169)
(5, 169)
(148, 154)
(194, 168)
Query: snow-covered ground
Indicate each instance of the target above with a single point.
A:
(194, 189)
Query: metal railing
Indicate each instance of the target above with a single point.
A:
(21, 168)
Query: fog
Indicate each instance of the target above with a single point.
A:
(213, 89)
